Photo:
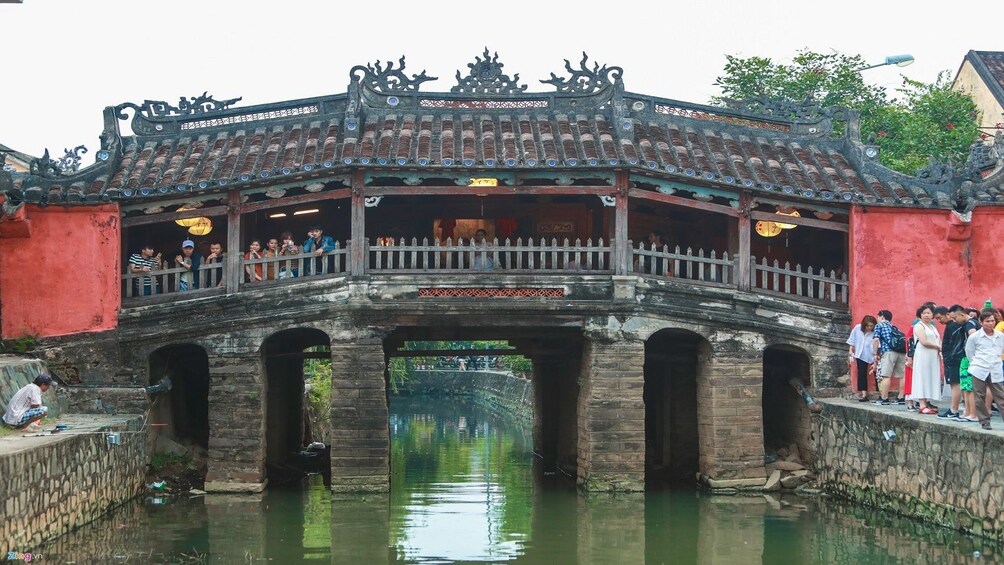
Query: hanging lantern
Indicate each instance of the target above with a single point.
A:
(202, 227)
(791, 213)
(187, 222)
(767, 229)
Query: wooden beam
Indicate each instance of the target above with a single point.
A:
(452, 352)
(303, 354)
(809, 222)
(357, 254)
(680, 201)
(486, 190)
(743, 266)
(232, 272)
(622, 255)
(208, 212)
(336, 194)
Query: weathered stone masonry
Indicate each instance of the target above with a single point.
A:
(360, 457)
(48, 489)
(612, 414)
(940, 472)
(730, 421)
(237, 415)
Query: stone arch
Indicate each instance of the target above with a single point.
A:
(288, 426)
(675, 359)
(786, 417)
(180, 401)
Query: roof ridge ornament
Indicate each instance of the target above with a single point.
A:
(194, 105)
(937, 174)
(585, 80)
(486, 77)
(69, 163)
(808, 110)
(389, 79)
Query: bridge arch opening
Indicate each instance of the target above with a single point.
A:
(183, 409)
(786, 417)
(526, 378)
(674, 361)
(291, 426)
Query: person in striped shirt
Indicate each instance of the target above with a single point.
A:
(25, 407)
(144, 262)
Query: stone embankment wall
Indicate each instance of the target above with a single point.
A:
(51, 485)
(941, 472)
(499, 390)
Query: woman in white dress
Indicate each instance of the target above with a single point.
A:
(926, 361)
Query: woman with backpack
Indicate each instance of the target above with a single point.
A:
(889, 346)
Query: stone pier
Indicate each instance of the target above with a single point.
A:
(360, 435)
(237, 418)
(730, 421)
(611, 429)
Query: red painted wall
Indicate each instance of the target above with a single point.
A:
(63, 278)
(902, 257)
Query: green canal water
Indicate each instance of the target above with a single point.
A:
(465, 489)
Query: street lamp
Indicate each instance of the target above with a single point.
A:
(898, 60)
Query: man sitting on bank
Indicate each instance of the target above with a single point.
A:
(25, 407)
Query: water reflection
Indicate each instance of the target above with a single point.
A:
(464, 489)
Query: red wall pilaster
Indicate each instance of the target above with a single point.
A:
(901, 257)
(62, 276)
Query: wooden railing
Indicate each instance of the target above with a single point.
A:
(509, 256)
(711, 268)
(282, 267)
(798, 281)
(163, 281)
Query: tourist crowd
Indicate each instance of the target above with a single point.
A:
(145, 261)
(968, 356)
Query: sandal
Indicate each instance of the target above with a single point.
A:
(927, 411)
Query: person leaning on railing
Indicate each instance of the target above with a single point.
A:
(144, 262)
(271, 252)
(216, 256)
(190, 261)
(318, 244)
(288, 269)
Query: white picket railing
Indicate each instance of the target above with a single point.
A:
(713, 268)
(798, 281)
(308, 264)
(163, 281)
(508, 256)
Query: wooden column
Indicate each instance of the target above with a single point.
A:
(232, 271)
(743, 267)
(357, 254)
(622, 251)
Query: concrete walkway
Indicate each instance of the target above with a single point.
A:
(14, 441)
(901, 412)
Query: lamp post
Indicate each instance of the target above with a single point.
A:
(898, 60)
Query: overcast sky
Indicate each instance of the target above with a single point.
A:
(65, 60)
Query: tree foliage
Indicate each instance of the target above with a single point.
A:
(922, 121)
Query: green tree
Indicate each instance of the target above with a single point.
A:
(927, 120)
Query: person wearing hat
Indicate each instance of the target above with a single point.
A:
(25, 407)
(190, 261)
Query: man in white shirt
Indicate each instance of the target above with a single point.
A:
(25, 407)
(984, 349)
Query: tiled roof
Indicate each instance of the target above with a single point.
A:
(990, 66)
(379, 125)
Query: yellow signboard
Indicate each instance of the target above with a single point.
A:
(484, 182)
